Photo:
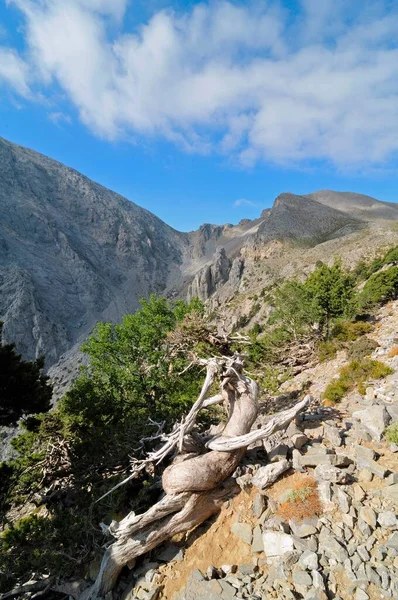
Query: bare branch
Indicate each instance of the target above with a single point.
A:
(279, 421)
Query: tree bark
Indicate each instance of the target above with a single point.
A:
(195, 487)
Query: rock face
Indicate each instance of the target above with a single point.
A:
(73, 253)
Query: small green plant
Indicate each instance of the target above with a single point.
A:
(328, 350)
(392, 433)
(361, 348)
(356, 373)
(349, 331)
(300, 495)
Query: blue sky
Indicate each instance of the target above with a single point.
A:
(206, 111)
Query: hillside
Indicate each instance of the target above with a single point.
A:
(327, 528)
(73, 253)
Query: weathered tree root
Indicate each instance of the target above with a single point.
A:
(196, 487)
(193, 509)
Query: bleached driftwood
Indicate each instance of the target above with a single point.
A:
(195, 485)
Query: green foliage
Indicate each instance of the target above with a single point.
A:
(392, 433)
(300, 494)
(356, 373)
(135, 374)
(381, 287)
(328, 349)
(38, 544)
(364, 270)
(362, 347)
(23, 388)
(348, 331)
(332, 292)
(293, 308)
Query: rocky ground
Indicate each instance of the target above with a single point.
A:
(327, 528)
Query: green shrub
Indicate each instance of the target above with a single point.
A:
(361, 348)
(356, 373)
(348, 331)
(327, 350)
(23, 387)
(380, 288)
(392, 433)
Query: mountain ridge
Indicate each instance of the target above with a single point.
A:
(73, 252)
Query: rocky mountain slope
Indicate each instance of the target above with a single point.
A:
(73, 253)
(327, 528)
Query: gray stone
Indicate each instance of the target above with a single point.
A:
(365, 460)
(363, 553)
(375, 419)
(333, 549)
(258, 505)
(301, 578)
(246, 569)
(344, 501)
(368, 515)
(361, 595)
(309, 560)
(387, 519)
(392, 542)
(330, 473)
(228, 591)
(372, 576)
(303, 530)
(365, 475)
(290, 558)
(257, 542)
(333, 435)
(278, 452)
(243, 531)
(171, 552)
(265, 476)
(277, 543)
(391, 492)
(392, 479)
(370, 542)
(319, 457)
(298, 438)
(359, 494)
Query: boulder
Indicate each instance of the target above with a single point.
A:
(277, 543)
(243, 531)
(374, 419)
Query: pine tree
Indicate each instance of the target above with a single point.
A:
(23, 387)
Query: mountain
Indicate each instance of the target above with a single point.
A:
(73, 252)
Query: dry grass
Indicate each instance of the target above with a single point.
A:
(302, 500)
(393, 352)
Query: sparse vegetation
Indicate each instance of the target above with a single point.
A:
(392, 433)
(302, 501)
(355, 374)
(362, 347)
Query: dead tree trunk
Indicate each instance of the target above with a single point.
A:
(195, 486)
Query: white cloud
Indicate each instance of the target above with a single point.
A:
(59, 117)
(13, 71)
(246, 80)
(244, 202)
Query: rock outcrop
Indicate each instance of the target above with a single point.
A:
(73, 253)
